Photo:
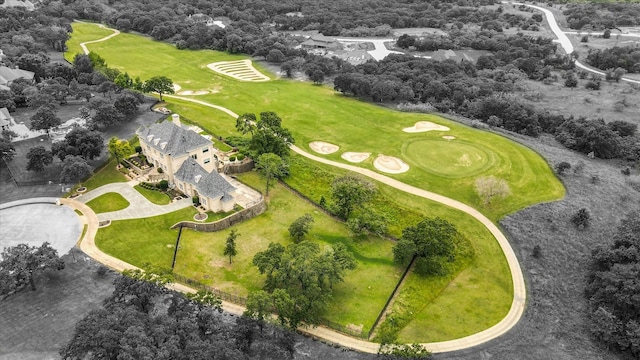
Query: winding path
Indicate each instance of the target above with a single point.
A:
(515, 312)
(83, 45)
(564, 40)
(519, 290)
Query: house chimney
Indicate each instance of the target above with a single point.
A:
(176, 119)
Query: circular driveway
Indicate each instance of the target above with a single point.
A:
(35, 223)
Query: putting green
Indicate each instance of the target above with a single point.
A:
(448, 158)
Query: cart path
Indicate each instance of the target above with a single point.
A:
(519, 290)
(83, 45)
(564, 40)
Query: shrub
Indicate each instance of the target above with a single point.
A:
(626, 171)
(581, 218)
(232, 158)
(163, 184)
(562, 167)
(102, 270)
(537, 252)
(138, 149)
(196, 200)
(240, 157)
(160, 171)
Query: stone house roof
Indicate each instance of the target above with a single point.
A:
(168, 138)
(209, 184)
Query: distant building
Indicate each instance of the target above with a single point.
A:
(320, 42)
(19, 3)
(9, 75)
(6, 120)
(190, 162)
(353, 57)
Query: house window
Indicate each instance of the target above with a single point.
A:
(203, 201)
(180, 186)
(195, 156)
(205, 150)
(207, 160)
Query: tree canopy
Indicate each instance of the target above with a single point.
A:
(38, 157)
(613, 288)
(74, 169)
(21, 263)
(271, 166)
(349, 192)
(300, 279)
(81, 142)
(432, 242)
(159, 84)
(267, 134)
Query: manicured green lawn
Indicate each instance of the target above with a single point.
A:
(88, 32)
(108, 202)
(142, 241)
(156, 197)
(473, 297)
(107, 175)
(319, 113)
(357, 301)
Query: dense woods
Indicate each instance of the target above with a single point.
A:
(613, 288)
(601, 15)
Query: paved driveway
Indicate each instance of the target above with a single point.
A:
(139, 206)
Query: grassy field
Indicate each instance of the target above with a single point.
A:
(318, 113)
(156, 197)
(108, 202)
(107, 175)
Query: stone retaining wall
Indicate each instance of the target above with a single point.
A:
(229, 221)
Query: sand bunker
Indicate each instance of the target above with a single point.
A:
(355, 157)
(323, 147)
(448, 137)
(176, 87)
(239, 69)
(390, 164)
(422, 126)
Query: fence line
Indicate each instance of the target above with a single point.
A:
(393, 294)
(241, 300)
(233, 298)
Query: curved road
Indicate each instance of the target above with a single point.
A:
(564, 40)
(519, 290)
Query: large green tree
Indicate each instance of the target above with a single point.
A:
(271, 166)
(119, 148)
(431, 241)
(159, 84)
(349, 192)
(267, 134)
(300, 227)
(300, 279)
(21, 263)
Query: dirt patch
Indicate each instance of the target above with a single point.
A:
(189, 92)
(355, 157)
(322, 147)
(422, 126)
(390, 164)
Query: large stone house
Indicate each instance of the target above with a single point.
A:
(189, 161)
